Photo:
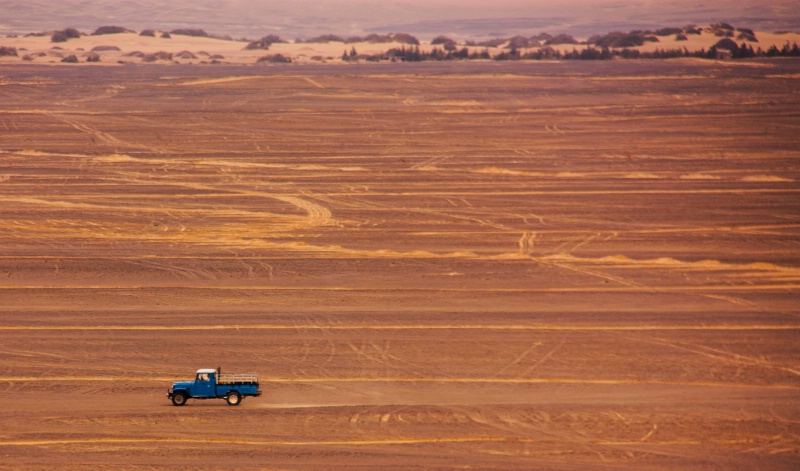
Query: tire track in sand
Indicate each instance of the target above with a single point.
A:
(400, 327)
(439, 380)
(211, 441)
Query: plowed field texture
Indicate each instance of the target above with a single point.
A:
(492, 265)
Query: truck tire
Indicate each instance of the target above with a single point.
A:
(234, 398)
(179, 398)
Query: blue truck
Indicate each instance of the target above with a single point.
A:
(212, 384)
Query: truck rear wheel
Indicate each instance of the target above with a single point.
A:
(179, 398)
(234, 398)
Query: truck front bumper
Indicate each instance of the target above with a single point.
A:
(169, 394)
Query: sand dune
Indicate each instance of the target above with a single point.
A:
(131, 47)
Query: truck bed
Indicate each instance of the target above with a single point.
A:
(238, 378)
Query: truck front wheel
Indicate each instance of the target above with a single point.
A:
(234, 398)
(179, 398)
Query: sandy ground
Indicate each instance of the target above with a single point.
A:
(552, 266)
(127, 48)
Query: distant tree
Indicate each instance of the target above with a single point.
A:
(166, 35)
(745, 52)
(404, 54)
(462, 53)
(773, 51)
(8, 51)
(92, 57)
(148, 32)
(72, 59)
(484, 54)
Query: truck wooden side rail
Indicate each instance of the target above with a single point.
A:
(237, 378)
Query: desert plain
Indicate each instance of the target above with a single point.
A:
(549, 265)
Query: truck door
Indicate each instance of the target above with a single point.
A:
(203, 385)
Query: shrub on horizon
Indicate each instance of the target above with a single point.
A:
(447, 44)
(727, 43)
(492, 42)
(518, 42)
(64, 35)
(274, 59)
(404, 38)
(160, 55)
(440, 40)
(194, 32)
(667, 31)
(618, 39)
(111, 30)
(324, 39)
(692, 29)
(265, 42)
(185, 55)
(561, 39)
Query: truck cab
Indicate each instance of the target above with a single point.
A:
(212, 384)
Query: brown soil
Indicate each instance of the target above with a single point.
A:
(559, 266)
